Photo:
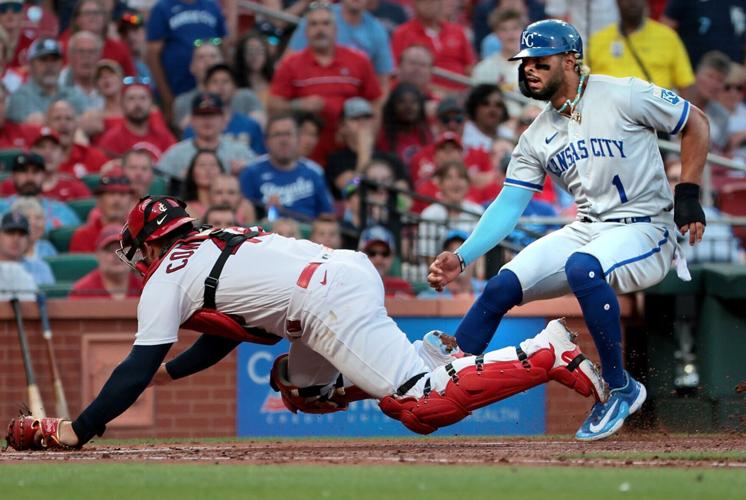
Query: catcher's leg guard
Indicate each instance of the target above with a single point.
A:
(452, 392)
(315, 399)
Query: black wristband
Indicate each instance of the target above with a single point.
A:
(686, 206)
(461, 262)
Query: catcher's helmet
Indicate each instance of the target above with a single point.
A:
(549, 37)
(153, 217)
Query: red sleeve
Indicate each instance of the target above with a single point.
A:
(371, 86)
(282, 80)
(94, 159)
(109, 143)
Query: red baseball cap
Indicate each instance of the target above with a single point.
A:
(45, 133)
(446, 137)
(114, 181)
(109, 234)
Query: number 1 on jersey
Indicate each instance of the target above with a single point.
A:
(619, 187)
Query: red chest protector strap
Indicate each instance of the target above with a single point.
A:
(211, 321)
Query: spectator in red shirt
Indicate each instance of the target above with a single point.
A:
(321, 77)
(78, 159)
(112, 278)
(58, 186)
(14, 135)
(93, 16)
(404, 130)
(113, 201)
(447, 41)
(11, 19)
(378, 244)
(485, 179)
(137, 131)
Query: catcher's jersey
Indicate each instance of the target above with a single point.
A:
(609, 159)
(257, 283)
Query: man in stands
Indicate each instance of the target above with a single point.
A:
(378, 244)
(57, 185)
(113, 201)
(78, 159)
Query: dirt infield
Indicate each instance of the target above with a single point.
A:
(630, 450)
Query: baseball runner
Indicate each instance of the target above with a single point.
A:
(328, 303)
(596, 138)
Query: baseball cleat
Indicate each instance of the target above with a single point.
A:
(571, 367)
(607, 418)
(439, 349)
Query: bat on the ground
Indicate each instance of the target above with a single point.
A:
(34, 396)
(60, 400)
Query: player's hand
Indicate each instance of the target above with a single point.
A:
(161, 377)
(696, 230)
(444, 269)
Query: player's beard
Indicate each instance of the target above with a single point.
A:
(551, 88)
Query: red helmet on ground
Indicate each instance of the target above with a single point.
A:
(153, 217)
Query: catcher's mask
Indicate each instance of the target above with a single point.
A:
(153, 217)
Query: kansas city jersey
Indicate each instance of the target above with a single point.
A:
(609, 161)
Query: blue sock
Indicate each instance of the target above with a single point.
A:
(601, 312)
(478, 326)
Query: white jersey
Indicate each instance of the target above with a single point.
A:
(256, 283)
(609, 160)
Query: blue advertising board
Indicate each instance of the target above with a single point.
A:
(261, 412)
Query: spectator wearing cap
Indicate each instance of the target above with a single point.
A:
(13, 135)
(220, 216)
(15, 281)
(174, 28)
(446, 41)
(208, 123)
(113, 278)
(321, 77)
(77, 159)
(94, 16)
(466, 284)
(31, 209)
(220, 80)
(83, 52)
(139, 129)
(14, 242)
(484, 178)
(452, 180)
(357, 131)
(29, 103)
(357, 29)
(19, 39)
(378, 244)
(58, 186)
(283, 179)
(131, 30)
(225, 190)
(27, 178)
(114, 198)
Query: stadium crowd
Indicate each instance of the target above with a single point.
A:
(254, 120)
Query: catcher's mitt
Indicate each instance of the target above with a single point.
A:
(26, 432)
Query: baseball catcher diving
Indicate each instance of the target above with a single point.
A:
(240, 284)
(596, 138)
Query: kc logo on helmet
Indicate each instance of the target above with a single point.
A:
(527, 39)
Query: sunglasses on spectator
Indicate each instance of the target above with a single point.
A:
(132, 19)
(319, 4)
(451, 118)
(732, 86)
(135, 80)
(14, 7)
(217, 42)
(378, 253)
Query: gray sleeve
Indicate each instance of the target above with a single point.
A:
(655, 107)
(182, 103)
(20, 105)
(524, 170)
(245, 101)
(176, 159)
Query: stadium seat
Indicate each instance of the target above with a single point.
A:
(58, 290)
(82, 207)
(732, 200)
(71, 266)
(60, 237)
(6, 158)
(91, 180)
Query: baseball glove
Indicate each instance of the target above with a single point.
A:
(26, 432)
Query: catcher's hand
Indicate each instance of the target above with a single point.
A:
(26, 432)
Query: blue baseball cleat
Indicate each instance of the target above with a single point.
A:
(607, 418)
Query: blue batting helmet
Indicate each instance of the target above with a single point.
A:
(549, 37)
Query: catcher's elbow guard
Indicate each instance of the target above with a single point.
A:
(314, 399)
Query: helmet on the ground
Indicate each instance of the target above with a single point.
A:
(549, 37)
(153, 217)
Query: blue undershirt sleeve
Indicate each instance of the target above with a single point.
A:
(496, 222)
